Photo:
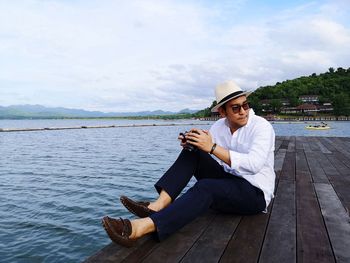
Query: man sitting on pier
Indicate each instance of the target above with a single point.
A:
(234, 166)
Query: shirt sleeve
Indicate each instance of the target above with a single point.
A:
(263, 140)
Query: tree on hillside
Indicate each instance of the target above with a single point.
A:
(276, 105)
(294, 101)
(341, 70)
(327, 86)
(254, 103)
(332, 86)
(341, 104)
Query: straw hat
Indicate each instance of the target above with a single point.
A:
(227, 91)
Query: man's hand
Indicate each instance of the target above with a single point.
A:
(182, 140)
(200, 138)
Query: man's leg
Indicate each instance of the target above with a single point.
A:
(162, 201)
(198, 163)
(233, 195)
(170, 185)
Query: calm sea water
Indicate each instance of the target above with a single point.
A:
(55, 186)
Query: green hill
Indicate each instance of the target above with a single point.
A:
(332, 86)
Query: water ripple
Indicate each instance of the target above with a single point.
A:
(56, 186)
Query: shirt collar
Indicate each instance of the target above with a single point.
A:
(251, 114)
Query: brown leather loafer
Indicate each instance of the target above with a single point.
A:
(118, 230)
(137, 208)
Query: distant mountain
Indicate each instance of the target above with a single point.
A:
(184, 111)
(39, 111)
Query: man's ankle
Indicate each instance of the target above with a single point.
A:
(154, 206)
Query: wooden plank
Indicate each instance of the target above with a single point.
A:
(285, 144)
(278, 143)
(279, 160)
(301, 167)
(288, 169)
(142, 251)
(342, 158)
(245, 245)
(341, 146)
(338, 145)
(322, 147)
(327, 143)
(327, 166)
(298, 143)
(306, 147)
(176, 246)
(340, 166)
(312, 141)
(115, 253)
(291, 145)
(337, 221)
(312, 240)
(346, 141)
(210, 246)
(280, 240)
(317, 172)
(340, 182)
(342, 186)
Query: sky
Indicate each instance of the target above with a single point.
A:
(135, 55)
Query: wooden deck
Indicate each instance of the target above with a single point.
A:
(308, 220)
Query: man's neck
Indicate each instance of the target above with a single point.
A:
(233, 129)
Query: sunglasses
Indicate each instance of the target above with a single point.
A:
(237, 108)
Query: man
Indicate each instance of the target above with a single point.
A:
(233, 165)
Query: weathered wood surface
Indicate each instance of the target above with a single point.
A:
(308, 220)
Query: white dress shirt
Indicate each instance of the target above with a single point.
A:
(251, 150)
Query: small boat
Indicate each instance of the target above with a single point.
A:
(322, 126)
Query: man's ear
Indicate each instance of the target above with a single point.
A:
(222, 111)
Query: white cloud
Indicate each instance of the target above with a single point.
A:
(137, 55)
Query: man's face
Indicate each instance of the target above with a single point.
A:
(235, 113)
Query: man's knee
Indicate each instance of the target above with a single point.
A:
(204, 185)
(202, 192)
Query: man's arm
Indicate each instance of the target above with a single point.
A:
(262, 144)
(203, 141)
(223, 154)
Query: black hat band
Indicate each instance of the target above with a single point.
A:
(231, 96)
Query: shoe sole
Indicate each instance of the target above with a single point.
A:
(116, 238)
(144, 213)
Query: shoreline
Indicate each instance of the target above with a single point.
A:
(207, 121)
(95, 127)
(294, 119)
(302, 122)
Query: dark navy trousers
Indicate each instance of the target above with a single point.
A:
(214, 189)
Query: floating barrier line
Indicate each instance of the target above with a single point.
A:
(96, 127)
